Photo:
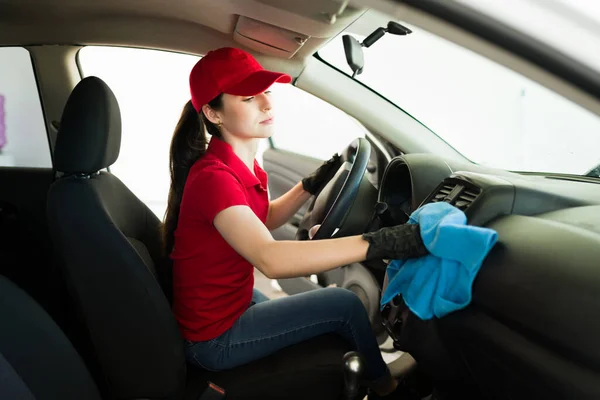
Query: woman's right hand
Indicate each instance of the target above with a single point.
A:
(396, 242)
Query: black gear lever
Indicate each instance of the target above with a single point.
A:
(354, 369)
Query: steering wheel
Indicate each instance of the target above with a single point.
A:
(330, 206)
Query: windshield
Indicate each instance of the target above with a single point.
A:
(489, 113)
(570, 26)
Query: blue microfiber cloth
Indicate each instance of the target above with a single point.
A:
(441, 282)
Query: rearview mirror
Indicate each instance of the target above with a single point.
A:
(354, 54)
(353, 48)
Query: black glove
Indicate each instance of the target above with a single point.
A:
(318, 179)
(395, 242)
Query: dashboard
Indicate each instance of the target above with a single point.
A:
(483, 193)
(536, 299)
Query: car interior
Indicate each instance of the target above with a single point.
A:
(85, 290)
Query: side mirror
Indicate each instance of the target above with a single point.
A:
(354, 54)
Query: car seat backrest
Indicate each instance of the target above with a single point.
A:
(109, 243)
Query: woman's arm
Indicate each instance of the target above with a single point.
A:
(283, 208)
(246, 233)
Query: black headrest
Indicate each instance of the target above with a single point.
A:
(89, 137)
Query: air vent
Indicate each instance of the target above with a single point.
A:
(456, 192)
(466, 197)
(443, 192)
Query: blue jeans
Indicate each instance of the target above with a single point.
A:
(271, 325)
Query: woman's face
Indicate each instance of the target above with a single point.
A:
(247, 117)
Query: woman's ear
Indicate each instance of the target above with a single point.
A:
(211, 115)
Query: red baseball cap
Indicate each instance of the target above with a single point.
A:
(232, 71)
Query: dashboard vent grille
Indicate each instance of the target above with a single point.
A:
(459, 194)
(465, 198)
(443, 192)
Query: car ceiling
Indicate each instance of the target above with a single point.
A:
(192, 26)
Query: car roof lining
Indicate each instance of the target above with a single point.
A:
(188, 26)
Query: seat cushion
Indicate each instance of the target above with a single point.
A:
(308, 370)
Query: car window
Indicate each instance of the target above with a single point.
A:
(488, 112)
(309, 126)
(23, 135)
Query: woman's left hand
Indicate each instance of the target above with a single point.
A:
(318, 179)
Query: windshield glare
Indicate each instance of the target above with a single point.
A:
(489, 113)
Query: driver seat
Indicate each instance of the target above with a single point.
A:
(109, 244)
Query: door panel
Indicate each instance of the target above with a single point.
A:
(25, 247)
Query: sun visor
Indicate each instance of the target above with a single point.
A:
(268, 39)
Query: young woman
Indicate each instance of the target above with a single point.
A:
(217, 230)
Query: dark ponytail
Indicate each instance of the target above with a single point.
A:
(187, 146)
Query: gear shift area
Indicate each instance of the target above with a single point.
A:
(354, 367)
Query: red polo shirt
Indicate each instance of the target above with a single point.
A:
(212, 284)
